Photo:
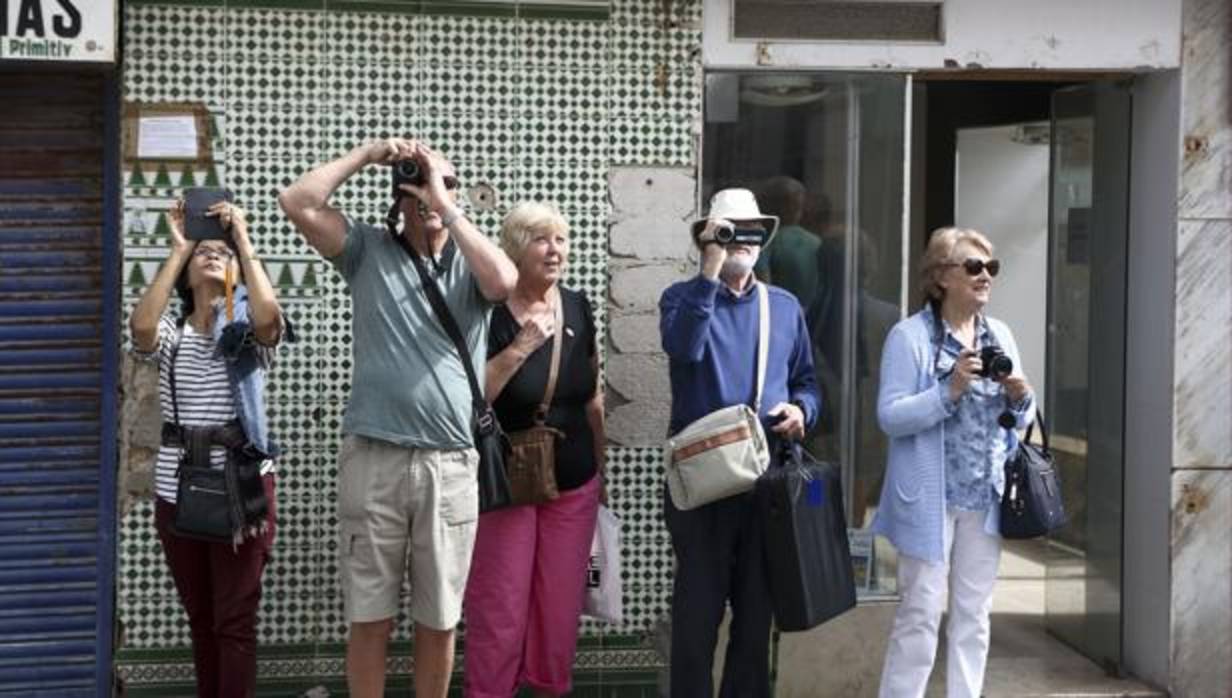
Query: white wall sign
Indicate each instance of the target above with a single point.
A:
(167, 137)
(58, 30)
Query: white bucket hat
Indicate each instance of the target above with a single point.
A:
(737, 205)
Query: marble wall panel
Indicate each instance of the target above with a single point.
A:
(1206, 115)
(1202, 400)
(1201, 567)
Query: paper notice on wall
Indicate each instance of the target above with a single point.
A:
(167, 137)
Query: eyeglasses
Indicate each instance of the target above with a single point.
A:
(223, 253)
(974, 267)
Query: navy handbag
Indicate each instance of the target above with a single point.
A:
(1031, 503)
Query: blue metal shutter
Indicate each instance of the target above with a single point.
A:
(56, 489)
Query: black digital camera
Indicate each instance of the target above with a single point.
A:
(731, 235)
(407, 172)
(997, 364)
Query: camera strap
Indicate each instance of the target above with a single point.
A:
(175, 352)
(1006, 419)
(393, 215)
(436, 299)
(938, 337)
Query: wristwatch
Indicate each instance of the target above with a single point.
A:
(451, 217)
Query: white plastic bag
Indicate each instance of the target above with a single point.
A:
(603, 588)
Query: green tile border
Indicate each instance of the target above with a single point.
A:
(276, 4)
(185, 3)
(631, 681)
(532, 10)
(330, 650)
(588, 684)
(399, 686)
(464, 8)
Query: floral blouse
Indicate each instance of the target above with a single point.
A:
(975, 445)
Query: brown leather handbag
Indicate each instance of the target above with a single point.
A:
(531, 466)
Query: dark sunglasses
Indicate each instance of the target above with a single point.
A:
(974, 267)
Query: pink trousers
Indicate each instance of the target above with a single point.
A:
(524, 595)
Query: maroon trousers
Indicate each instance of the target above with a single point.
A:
(220, 587)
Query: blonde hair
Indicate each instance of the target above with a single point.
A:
(526, 219)
(939, 255)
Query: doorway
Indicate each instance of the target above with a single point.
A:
(860, 167)
(1042, 169)
(825, 153)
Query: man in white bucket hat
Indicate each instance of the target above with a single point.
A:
(710, 332)
(732, 237)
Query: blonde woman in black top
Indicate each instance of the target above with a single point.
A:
(527, 576)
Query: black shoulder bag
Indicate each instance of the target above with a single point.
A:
(1031, 505)
(490, 441)
(218, 505)
(202, 506)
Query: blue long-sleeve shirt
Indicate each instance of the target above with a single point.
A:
(710, 337)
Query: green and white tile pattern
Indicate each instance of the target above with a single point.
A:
(530, 102)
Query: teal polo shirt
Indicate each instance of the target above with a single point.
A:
(408, 386)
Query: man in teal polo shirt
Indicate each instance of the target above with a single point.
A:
(407, 488)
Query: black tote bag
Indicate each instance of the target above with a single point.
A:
(1031, 502)
(807, 551)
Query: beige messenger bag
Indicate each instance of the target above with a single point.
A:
(723, 453)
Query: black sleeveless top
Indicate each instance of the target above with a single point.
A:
(575, 386)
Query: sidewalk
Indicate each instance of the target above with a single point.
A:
(842, 659)
(1024, 659)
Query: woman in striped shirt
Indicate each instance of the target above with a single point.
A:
(212, 363)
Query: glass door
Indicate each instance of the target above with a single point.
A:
(825, 152)
(1090, 141)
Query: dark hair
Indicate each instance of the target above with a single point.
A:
(818, 212)
(188, 305)
(782, 196)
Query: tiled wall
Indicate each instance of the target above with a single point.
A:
(534, 107)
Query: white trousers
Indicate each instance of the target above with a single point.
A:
(967, 578)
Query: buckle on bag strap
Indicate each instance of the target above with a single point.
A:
(485, 421)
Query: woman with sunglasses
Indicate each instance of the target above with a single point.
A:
(212, 361)
(952, 422)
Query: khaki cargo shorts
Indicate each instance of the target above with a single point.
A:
(400, 507)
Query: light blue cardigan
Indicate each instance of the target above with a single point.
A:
(912, 413)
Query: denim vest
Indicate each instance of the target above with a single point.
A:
(236, 343)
